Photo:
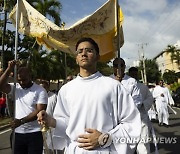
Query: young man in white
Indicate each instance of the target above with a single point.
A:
(30, 98)
(162, 99)
(94, 112)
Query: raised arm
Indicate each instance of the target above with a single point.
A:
(4, 86)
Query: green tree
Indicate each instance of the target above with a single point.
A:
(49, 8)
(104, 68)
(175, 54)
(152, 70)
(170, 77)
(5, 7)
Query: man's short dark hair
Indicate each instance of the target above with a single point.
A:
(24, 70)
(118, 59)
(133, 69)
(90, 40)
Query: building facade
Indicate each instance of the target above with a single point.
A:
(164, 61)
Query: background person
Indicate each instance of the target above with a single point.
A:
(69, 78)
(147, 101)
(93, 110)
(30, 99)
(2, 105)
(162, 99)
(128, 82)
(52, 100)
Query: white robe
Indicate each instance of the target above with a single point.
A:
(152, 111)
(147, 100)
(130, 84)
(51, 140)
(162, 103)
(96, 102)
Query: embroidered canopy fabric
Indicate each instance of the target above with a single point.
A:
(101, 26)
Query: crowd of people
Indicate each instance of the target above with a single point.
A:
(91, 112)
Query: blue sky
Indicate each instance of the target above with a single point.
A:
(155, 22)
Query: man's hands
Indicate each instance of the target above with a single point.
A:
(11, 64)
(89, 140)
(45, 120)
(15, 123)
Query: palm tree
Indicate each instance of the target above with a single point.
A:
(152, 70)
(5, 7)
(48, 8)
(175, 54)
(51, 9)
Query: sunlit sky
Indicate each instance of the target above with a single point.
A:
(153, 23)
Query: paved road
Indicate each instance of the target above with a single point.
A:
(5, 142)
(170, 134)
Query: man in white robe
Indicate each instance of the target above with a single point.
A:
(128, 82)
(162, 99)
(52, 141)
(147, 100)
(152, 111)
(94, 113)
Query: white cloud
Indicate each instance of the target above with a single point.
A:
(155, 22)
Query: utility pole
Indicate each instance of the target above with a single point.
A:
(144, 76)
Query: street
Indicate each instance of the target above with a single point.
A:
(5, 142)
(168, 138)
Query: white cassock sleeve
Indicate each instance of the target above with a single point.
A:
(170, 99)
(136, 95)
(157, 92)
(59, 137)
(147, 97)
(128, 126)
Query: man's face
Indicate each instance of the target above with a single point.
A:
(24, 80)
(161, 83)
(86, 55)
(119, 67)
(69, 78)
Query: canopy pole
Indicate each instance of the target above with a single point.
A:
(15, 71)
(117, 26)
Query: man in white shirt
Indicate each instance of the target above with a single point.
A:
(162, 99)
(147, 100)
(30, 98)
(94, 112)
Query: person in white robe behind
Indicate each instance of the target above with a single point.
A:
(152, 111)
(128, 82)
(51, 140)
(147, 100)
(162, 99)
(94, 113)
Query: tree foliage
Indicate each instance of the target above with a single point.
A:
(152, 70)
(175, 54)
(170, 77)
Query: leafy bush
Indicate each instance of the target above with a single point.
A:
(174, 86)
